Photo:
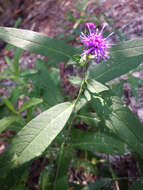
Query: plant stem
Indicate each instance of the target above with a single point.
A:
(113, 175)
(115, 179)
(78, 97)
(81, 86)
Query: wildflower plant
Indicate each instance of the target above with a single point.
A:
(94, 43)
(111, 127)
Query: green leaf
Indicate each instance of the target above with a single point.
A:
(97, 142)
(45, 181)
(124, 57)
(114, 68)
(87, 95)
(80, 104)
(117, 88)
(123, 123)
(37, 135)
(5, 122)
(9, 47)
(29, 103)
(134, 84)
(17, 22)
(8, 61)
(89, 118)
(7, 77)
(95, 87)
(128, 48)
(35, 42)
(17, 55)
(14, 178)
(9, 105)
(24, 73)
(70, 16)
(75, 80)
(46, 83)
(61, 181)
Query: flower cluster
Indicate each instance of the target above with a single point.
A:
(94, 43)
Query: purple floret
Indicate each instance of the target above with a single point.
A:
(94, 43)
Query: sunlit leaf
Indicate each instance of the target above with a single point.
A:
(37, 135)
(89, 118)
(35, 42)
(95, 86)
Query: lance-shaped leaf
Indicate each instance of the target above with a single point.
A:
(6, 121)
(35, 42)
(9, 105)
(89, 118)
(129, 48)
(95, 86)
(122, 122)
(37, 135)
(97, 142)
(124, 57)
(29, 103)
(127, 127)
(64, 157)
(17, 55)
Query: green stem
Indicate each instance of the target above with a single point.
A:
(78, 97)
(81, 85)
(113, 175)
(115, 179)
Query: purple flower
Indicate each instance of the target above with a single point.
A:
(94, 42)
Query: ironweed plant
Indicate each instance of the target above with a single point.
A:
(95, 122)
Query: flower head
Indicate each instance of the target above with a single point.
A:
(94, 42)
